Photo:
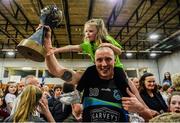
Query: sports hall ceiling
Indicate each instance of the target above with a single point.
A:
(131, 22)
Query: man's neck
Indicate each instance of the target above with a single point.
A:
(108, 77)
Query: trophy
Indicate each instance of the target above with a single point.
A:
(32, 47)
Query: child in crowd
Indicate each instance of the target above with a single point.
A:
(173, 116)
(174, 102)
(11, 92)
(30, 99)
(95, 35)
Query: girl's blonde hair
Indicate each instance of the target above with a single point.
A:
(101, 29)
(29, 100)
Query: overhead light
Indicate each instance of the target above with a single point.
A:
(26, 68)
(153, 54)
(128, 54)
(10, 53)
(153, 36)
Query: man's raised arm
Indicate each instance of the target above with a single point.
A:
(53, 65)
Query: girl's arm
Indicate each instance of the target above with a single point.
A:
(68, 48)
(116, 49)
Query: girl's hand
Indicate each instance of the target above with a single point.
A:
(43, 107)
(105, 45)
(51, 51)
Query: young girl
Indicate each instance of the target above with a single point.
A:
(95, 35)
(10, 94)
(30, 99)
(174, 102)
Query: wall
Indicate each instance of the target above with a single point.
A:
(73, 64)
(140, 63)
(170, 63)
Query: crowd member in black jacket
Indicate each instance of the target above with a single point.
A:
(150, 94)
(59, 110)
(3, 110)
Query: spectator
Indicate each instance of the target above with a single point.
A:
(21, 85)
(59, 110)
(46, 92)
(135, 81)
(174, 102)
(32, 80)
(10, 94)
(30, 99)
(76, 115)
(150, 94)
(3, 110)
(167, 78)
(29, 80)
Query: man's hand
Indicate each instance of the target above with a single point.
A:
(51, 51)
(132, 104)
(47, 37)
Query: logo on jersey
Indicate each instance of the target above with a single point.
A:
(104, 114)
(116, 94)
(93, 91)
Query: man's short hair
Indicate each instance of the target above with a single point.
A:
(57, 86)
(68, 87)
(104, 47)
(27, 79)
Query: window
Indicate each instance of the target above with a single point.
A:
(47, 74)
(40, 73)
(131, 73)
(24, 73)
(18, 72)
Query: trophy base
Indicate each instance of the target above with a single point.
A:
(32, 50)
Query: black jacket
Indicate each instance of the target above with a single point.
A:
(156, 103)
(58, 110)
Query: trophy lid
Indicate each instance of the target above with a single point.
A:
(51, 16)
